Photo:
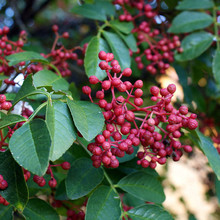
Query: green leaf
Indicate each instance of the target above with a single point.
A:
(6, 212)
(61, 128)
(61, 191)
(149, 212)
(2, 77)
(75, 152)
(30, 146)
(88, 118)
(131, 200)
(98, 10)
(206, 145)
(143, 186)
(194, 45)
(171, 4)
(17, 192)
(74, 91)
(104, 203)
(217, 189)
(119, 49)
(124, 27)
(130, 41)
(216, 66)
(25, 56)
(92, 60)
(49, 78)
(38, 209)
(188, 21)
(195, 4)
(27, 89)
(82, 178)
(8, 120)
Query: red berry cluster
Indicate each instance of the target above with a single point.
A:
(73, 215)
(3, 201)
(27, 175)
(8, 47)
(3, 183)
(129, 124)
(3, 186)
(59, 55)
(52, 182)
(4, 105)
(160, 50)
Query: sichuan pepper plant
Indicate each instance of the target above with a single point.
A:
(61, 157)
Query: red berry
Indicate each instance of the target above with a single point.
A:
(171, 88)
(192, 124)
(52, 183)
(3, 184)
(86, 90)
(138, 101)
(66, 165)
(109, 57)
(127, 72)
(65, 35)
(183, 110)
(102, 55)
(55, 28)
(138, 84)
(5, 30)
(93, 80)
(100, 95)
(6, 105)
(106, 84)
(154, 90)
(138, 93)
(187, 148)
(116, 69)
(103, 65)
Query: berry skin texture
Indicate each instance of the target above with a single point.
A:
(86, 90)
(66, 165)
(52, 183)
(192, 124)
(102, 55)
(103, 65)
(171, 88)
(3, 184)
(154, 90)
(183, 110)
(122, 113)
(93, 80)
(6, 105)
(2, 98)
(127, 72)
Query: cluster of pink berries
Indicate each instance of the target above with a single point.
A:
(3, 183)
(4, 105)
(3, 201)
(59, 55)
(160, 52)
(40, 180)
(129, 124)
(3, 186)
(72, 215)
